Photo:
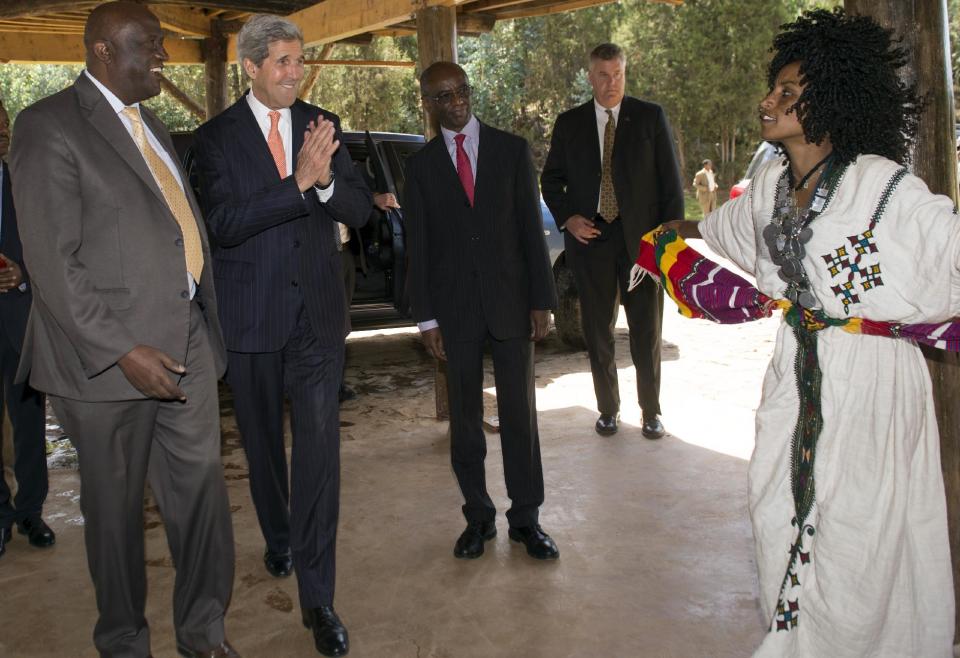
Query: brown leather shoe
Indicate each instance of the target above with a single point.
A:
(223, 651)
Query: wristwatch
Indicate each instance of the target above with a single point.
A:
(323, 187)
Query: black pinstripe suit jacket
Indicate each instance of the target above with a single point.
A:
(273, 248)
(479, 268)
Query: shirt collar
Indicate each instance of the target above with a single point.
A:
(117, 104)
(262, 113)
(602, 111)
(471, 130)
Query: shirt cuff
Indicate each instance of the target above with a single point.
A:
(324, 195)
(426, 326)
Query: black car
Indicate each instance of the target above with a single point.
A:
(380, 298)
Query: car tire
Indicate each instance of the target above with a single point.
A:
(567, 316)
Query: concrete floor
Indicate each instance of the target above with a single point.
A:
(656, 547)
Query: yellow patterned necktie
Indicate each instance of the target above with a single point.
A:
(608, 198)
(173, 194)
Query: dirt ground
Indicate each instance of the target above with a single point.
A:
(656, 547)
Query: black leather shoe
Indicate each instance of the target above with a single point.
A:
(38, 533)
(470, 543)
(329, 633)
(223, 651)
(607, 424)
(346, 393)
(5, 536)
(539, 544)
(653, 428)
(278, 563)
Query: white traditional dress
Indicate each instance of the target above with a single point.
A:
(869, 573)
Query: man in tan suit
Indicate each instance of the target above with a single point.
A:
(123, 335)
(705, 182)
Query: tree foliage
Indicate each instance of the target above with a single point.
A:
(704, 61)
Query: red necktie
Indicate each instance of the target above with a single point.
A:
(464, 170)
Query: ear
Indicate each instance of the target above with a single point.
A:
(103, 51)
(250, 68)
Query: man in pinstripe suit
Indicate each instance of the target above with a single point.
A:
(273, 183)
(480, 276)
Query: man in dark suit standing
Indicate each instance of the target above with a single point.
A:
(274, 183)
(480, 276)
(123, 335)
(24, 405)
(611, 175)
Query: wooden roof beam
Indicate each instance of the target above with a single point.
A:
(467, 24)
(182, 20)
(20, 8)
(34, 48)
(547, 7)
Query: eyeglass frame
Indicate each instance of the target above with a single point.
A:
(463, 91)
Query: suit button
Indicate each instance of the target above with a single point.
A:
(178, 242)
(184, 294)
(294, 283)
(296, 244)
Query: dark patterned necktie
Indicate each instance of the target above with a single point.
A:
(608, 198)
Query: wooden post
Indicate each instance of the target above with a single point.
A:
(923, 26)
(310, 79)
(437, 42)
(183, 98)
(214, 52)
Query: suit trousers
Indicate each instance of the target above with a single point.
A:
(25, 407)
(519, 438)
(601, 270)
(298, 512)
(176, 447)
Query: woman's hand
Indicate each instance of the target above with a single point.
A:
(684, 228)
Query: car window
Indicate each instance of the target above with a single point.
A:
(765, 152)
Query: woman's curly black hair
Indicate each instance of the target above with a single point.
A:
(853, 94)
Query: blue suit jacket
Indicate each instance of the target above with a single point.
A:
(274, 248)
(14, 305)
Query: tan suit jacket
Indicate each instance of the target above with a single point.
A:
(104, 251)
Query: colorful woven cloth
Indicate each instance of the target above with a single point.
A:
(702, 288)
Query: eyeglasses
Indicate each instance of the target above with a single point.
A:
(447, 97)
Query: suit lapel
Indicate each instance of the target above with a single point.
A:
(624, 126)
(590, 144)
(105, 121)
(442, 163)
(486, 162)
(251, 140)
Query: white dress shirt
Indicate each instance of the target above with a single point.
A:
(472, 146)
(261, 113)
(118, 107)
(602, 119)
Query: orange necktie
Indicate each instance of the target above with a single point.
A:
(275, 143)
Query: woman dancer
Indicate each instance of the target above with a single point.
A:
(845, 487)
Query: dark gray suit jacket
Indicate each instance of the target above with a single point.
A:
(481, 268)
(646, 175)
(104, 251)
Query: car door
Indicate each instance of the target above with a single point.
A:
(392, 245)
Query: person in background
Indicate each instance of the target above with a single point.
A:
(25, 406)
(705, 183)
(611, 175)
